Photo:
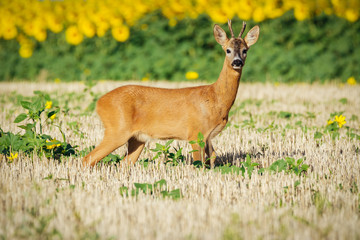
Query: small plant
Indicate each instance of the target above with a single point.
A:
(112, 159)
(246, 167)
(228, 168)
(289, 165)
(173, 158)
(151, 189)
(201, 143)
(285, 115)
(249, 166)
(334, 124)
(39, 112)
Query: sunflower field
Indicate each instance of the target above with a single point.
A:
(307, 40)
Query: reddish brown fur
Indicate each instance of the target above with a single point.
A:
(131, 114)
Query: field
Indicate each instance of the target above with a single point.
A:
(312, 193)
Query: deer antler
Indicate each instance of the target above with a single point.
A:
(243, 29)
(230, 27)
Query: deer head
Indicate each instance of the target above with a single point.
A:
(236, 48)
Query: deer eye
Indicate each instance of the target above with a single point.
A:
(244, 51)
(228, 50)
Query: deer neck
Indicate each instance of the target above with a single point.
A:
(226, 86)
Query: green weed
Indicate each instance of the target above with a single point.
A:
(158, 188)
(39, 112)
(289, 165)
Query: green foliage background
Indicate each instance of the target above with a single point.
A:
(320, 49)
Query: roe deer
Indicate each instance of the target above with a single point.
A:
(133, 114)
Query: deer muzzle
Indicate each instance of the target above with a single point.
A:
(237, 63)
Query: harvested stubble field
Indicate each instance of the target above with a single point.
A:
(48, 199)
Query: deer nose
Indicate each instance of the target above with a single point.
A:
(237, 63)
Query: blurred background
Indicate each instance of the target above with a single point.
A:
(300, 40)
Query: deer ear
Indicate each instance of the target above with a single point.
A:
(220, 35)
(252, 36)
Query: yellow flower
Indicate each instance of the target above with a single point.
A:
(172, 22)
(13, 156)
(86, 27)
(192, 75)
(53, 117)
(121, 33)
(340, 120)
(48, 104)
(9, 31)
(25, 51)
(301, 11)
(329, 122)
(258, 14)
(40, 35)
(352, 15)
(54, 24)
(57, 80)
(54, 145)
(73, 35)
(351, 81)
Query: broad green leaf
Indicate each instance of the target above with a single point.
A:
(278, 166)
(145, 187)
(285, 114)
(28, 127)
(160, 183)
(290, 161)
(343, 100)
(38, 105)
(299, 161)
(200, 136)
(21, 117)
(26, 104)
(169, 142)
(174, 194)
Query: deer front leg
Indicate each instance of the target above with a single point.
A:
(210, 152)
(110, 142)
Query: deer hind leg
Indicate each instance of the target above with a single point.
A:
(134, 149)
(210, 152)
(110, 142)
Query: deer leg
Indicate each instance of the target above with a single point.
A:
(134, 149)
(108, 144)
(210, 152)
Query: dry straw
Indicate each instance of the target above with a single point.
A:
(80, 203)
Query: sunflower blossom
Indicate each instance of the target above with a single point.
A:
(52, 146)
(13, 156)
(48, 104)
(329, 122)
(351, 81)
(53, 116)
(340, 120)
(192, 75)
(73, 35)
